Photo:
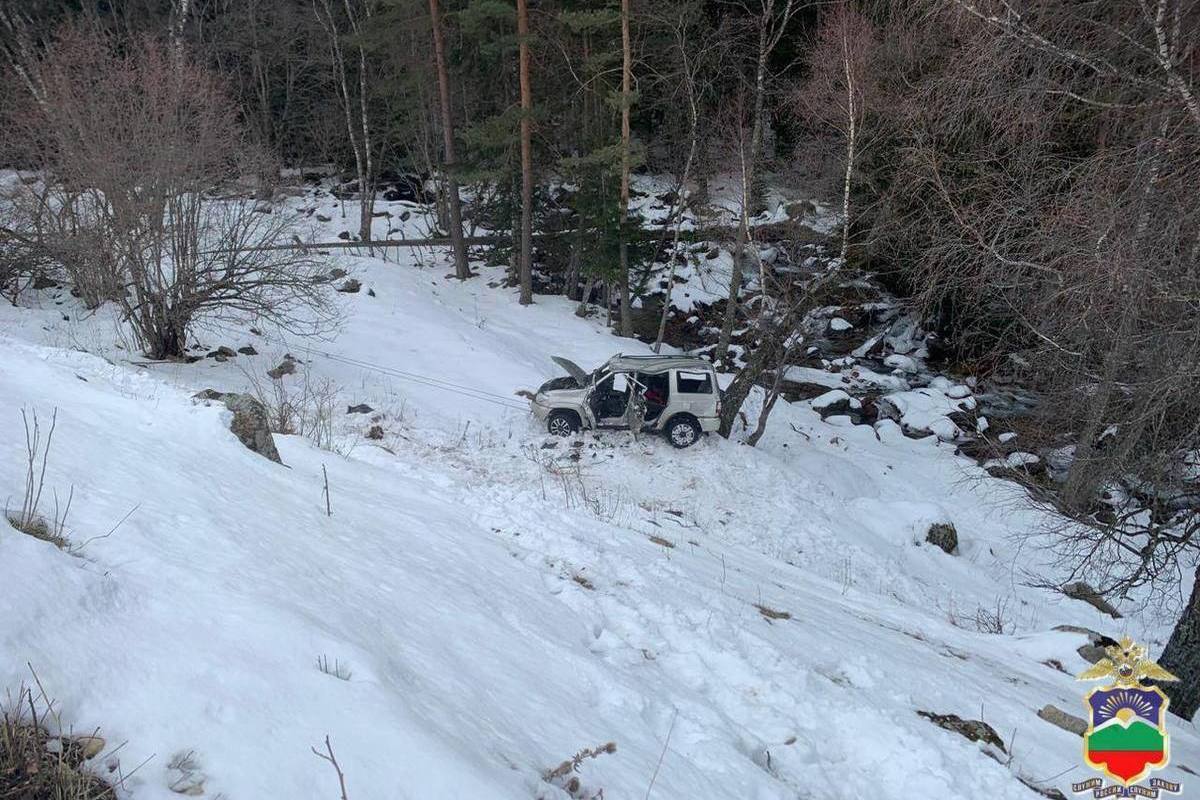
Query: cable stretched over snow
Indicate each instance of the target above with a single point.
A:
(427, 380)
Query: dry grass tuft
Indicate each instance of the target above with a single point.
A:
(39, 528)
(771, 613)
(335, 668)
(35, 765)
(563, 776)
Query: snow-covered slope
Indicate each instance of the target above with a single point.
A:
(742, 623)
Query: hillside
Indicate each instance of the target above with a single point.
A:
(741, 622)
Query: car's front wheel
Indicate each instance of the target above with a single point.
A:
(682, 432)
(562, 423)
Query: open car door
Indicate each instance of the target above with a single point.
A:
(573, 369)
(609, 398)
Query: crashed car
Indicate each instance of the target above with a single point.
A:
(674, 395)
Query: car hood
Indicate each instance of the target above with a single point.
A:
(581, 377)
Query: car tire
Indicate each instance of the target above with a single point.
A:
(682, 432)
(562, 423)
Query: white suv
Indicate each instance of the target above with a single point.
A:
(676, 395)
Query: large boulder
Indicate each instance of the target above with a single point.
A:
(800, 209)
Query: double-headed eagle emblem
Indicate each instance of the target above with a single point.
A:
(1126, 739)
(1127, 665)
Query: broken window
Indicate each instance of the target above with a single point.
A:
(656, 391)
(694, 382)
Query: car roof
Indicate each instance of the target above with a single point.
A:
(656, 363)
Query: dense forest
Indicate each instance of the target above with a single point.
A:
(1025, 174)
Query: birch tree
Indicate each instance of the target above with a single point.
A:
(695, 55)
(354, 103)
(771, 22)
(837, 89)
(180, 10)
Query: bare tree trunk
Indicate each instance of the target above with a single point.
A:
(526, 258)
(626, 101)
(666, 309)
(739, 388)
(772, 396)
(454, 204)
(182, 9)
(362, 149)
(1181, 657)
(693, 129)
(571, 284)
(778, 338)
(851, 142)
(366, 185)
(748, 168)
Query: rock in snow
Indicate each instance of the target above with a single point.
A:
(925, 411)
(1082, 591)
(251, 426)
(902, 363)
(286, 367)
(250, 422)
(943, 535)
(839, 325)
(834, 402)
(1068, 722)
(973, 729)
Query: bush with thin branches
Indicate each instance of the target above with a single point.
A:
(138, 148)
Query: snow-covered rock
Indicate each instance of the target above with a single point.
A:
(835, 402)
(902, 363)
(925, 410)
(839, 325)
